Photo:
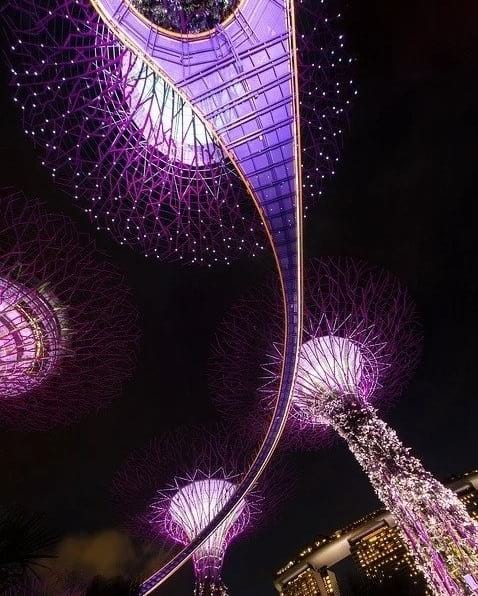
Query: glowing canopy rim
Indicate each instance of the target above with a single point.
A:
(30, 337)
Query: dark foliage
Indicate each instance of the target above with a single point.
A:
(24, 544)
(114, 587)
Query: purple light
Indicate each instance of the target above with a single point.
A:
(161, 504)
(328, 364)
(65, 348)
(361, 343)
(30, 338)
(189, 508)
(167, 123)
(435, 524)
(242, 80)
(183, 17)
(122, 140)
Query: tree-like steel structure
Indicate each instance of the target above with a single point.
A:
(361, 343)
(167, 132)
(125, 141)
(167, 496)
(189, 506)
(65, 347)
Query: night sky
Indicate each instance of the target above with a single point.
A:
(402, 197)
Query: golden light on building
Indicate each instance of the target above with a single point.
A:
(374, 543)
(382, 554)
(311, 582)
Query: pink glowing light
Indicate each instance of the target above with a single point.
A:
(192, 508)
(327, 364)
(65, 346)
(165, 120)
(30, 338)
(361, 342)
(170, 494)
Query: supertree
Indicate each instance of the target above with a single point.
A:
(124, 140)
(65, 346)
(166, 132)
(361, 343)
(188, 506)
(167, 493)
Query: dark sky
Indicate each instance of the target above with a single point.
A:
(403, 197)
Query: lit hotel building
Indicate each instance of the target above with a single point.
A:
(374, 543)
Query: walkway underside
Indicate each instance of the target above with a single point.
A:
(242, 81)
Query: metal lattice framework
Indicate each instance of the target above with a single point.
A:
(169, 494)
(122, 138)
(30, 337)
(361, 343)
(242, 82)
(65, 348)
(189, 506)
(238, 86)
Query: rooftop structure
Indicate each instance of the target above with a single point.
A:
(373, 542)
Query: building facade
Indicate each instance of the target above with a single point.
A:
(374, 543)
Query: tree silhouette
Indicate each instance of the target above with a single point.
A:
(24, 544)
(113, 587)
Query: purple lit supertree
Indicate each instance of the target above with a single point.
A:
(189, 506)
(129, 146)
(361, 343)
(173, 137)
(172, 497)
(65, 347)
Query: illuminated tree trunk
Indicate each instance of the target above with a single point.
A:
(435, 524)
(208, 564)
(210, 586)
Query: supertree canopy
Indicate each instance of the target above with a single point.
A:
(167, 496)
(361, 343)
(117, 100)
(188, 508)
(65, 348)
(30, 338)
(146, 162)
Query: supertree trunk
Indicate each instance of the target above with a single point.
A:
(210, 587)
(208, 568)
(435, 524)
